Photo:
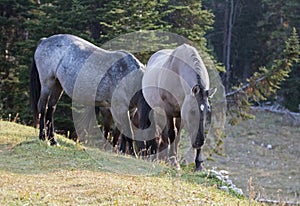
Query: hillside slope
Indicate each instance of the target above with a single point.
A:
(32, 172)
(264, 151)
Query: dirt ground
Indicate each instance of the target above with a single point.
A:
(262, 157)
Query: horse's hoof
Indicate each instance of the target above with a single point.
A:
(53, 142)
(174, 163)
(177, 166)
(199, 169)
(42, 138)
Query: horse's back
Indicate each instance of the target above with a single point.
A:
(158, 58)
(155, 71)
(78, 64)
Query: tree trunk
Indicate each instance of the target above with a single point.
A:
(227, 65)
(95, 26)
(225, 32)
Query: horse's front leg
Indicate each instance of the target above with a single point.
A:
(198, 161)
(174, 140)
(123, 145)
(122, 119)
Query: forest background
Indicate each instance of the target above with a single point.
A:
(254, 41)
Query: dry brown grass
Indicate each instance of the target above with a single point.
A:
(98, 188)
(33, 173)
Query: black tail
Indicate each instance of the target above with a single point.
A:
(35, 91)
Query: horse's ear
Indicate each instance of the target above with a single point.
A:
(211, 92)
(196, 89)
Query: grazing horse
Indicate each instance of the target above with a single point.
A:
(176, 85)
(90, 76)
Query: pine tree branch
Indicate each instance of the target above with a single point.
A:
(279, 71)
(244, 87)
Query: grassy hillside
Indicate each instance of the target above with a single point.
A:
(34, 173)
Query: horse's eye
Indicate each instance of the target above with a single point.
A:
(208, 108)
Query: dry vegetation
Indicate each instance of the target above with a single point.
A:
(33, 173)
(265, 151)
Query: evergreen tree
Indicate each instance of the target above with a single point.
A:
(189, 19)
(239, 53)
(13, 73)
(259, 31)
(265, 83)
(279, 19)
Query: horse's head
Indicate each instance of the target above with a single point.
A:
(194, 113)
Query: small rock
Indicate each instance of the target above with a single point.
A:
(224, 188)
(238, 191)
(224, 173)
(229, 182)
(219, 177)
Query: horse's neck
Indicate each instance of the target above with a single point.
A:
(184, 69)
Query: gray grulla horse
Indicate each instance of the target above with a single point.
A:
(90, 76)
(176, 86)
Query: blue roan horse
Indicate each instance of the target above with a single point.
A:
(176, 85)
(90, 76)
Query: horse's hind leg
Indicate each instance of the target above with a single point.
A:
(42, 110)
(54, 97)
